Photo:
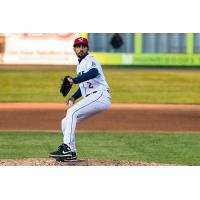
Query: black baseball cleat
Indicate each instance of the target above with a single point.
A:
(69, 158)
(72, 157)
(63, 152)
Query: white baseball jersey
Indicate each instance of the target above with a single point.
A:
(96, 84)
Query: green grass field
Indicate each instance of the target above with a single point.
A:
(180, 149)
(127, 86)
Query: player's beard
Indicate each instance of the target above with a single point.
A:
(81, 54)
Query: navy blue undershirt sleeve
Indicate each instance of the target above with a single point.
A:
(92, 73)
(77, 94)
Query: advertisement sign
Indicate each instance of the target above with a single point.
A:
(167, 59)
(148, 59)
(40, 48)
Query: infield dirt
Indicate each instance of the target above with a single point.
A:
(120, 117)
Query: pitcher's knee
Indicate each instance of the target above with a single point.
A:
(71, 113)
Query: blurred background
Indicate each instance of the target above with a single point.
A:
(134, 49)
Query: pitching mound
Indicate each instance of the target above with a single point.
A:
(90, 162)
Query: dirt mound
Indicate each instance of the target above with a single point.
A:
(89, 162)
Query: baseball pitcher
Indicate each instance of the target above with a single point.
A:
(96, 98)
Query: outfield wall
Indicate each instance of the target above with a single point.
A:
(137, 49)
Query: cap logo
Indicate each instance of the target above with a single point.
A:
(80, 39)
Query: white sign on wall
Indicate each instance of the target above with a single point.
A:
(40, 48)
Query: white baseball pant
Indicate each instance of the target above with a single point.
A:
(88, 106)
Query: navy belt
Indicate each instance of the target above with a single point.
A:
(91, 93)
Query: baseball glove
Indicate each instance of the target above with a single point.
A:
(66, 85)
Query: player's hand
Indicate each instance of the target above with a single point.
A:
(70, 102)
(70, 79)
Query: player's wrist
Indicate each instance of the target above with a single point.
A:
(75, 80)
